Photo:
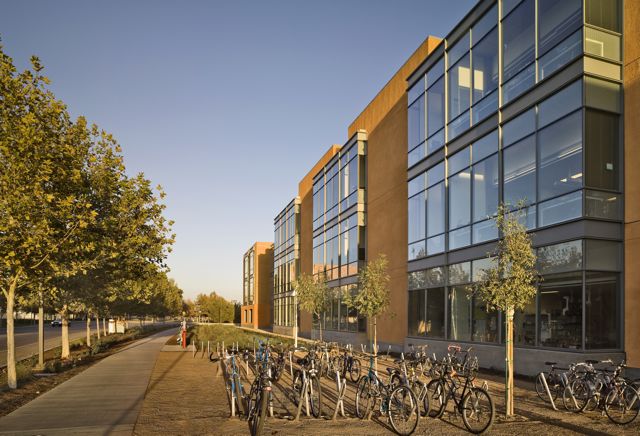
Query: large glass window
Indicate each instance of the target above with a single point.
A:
(603, 313)
(565, 101)
(560, 147)
(485, 188)
(603, 150)
(460, 199)
(518, 38)
(520, 172)
(603, 13)
(416, 217)
(416, 120)
(561, 311)
(434, 320)
(459, 313)
(416, 313)
(556, 21)
(485, 67)
(459, 87)
(435, 116)
(558, 258)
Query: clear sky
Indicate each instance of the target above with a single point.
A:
(225, 104)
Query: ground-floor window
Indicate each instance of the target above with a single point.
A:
(577, 305)
(338, 316)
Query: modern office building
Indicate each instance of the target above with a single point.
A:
(286, 267)
(532, 101)
(257, 286)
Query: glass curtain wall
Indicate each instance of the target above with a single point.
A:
(285, 268)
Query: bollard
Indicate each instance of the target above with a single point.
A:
(202, 348)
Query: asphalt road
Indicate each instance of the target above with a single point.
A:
(27, 338)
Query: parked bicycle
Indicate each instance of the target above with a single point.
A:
(472, 402)
(399, 403)
(260, 395)
(347, 363)
(306, 382)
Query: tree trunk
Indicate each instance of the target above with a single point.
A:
(98, 327)
(320, 325)
(64, 316)
(104, 326)
(12, 379)
(88, 329)
(41, 332)
(375, 341)
(508, 401)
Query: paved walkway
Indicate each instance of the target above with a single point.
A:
(104, 399)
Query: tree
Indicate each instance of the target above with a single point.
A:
(510, 283)
(373, 297)
(42, 201)
(215, 307)
(313, 295)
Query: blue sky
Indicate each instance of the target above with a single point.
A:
(225, 104)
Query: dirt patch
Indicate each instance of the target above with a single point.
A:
(185, 396)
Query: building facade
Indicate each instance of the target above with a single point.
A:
(528, 102)
(286, 267)
(521, 102)
(257, 286)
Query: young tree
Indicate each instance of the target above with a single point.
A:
(373, 297)
(313, 295)
(510, 283)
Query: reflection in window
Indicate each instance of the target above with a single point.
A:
(561, 311)
(560, 55)
(519, 84)
(556, 21)
(416, 313)
(605, 205)
(484, 322)
(560, 147)
(519, 127)
(435, 210)
(603, 314)
(563, 257)
(560, 209)
(485, 66)
(435, 114)
(485, 188)
(601, 43)
(416, 120)
(416, 217)
(459, 313)
(520, 172)
(560, 104)
(603, 13)
(518, 36)
(459, 87)
(434, 321)
(459, 199)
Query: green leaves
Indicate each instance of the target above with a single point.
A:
(312, 293)
(374, 296)
(511, 280)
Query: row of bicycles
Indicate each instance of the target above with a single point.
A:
(591, 385)
(414, 386)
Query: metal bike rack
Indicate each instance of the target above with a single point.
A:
(546, 388)
(341, 391)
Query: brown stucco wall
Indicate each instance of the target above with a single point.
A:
(385, 120)
(305, 192)
(632, 180)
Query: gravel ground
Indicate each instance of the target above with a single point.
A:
(186, 396)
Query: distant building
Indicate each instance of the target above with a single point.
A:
(257, 286)
(286, 267)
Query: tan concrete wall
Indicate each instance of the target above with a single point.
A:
(305, 192)
(262, 287)
(632, 180)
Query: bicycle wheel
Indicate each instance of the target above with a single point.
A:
(576, 396)
(315, 397)
(239, 394)
(477, 410)
(296, 386)
(364, 397)
(622, 404)
(260, 414)
(404, 411)
(354, 371)
(435, 401)
(541, 391)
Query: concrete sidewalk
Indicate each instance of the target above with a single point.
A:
(104, 399)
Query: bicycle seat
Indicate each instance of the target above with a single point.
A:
(551, 363)
(591, 361)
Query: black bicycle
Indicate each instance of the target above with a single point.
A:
(473, 403)
(260, 393)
